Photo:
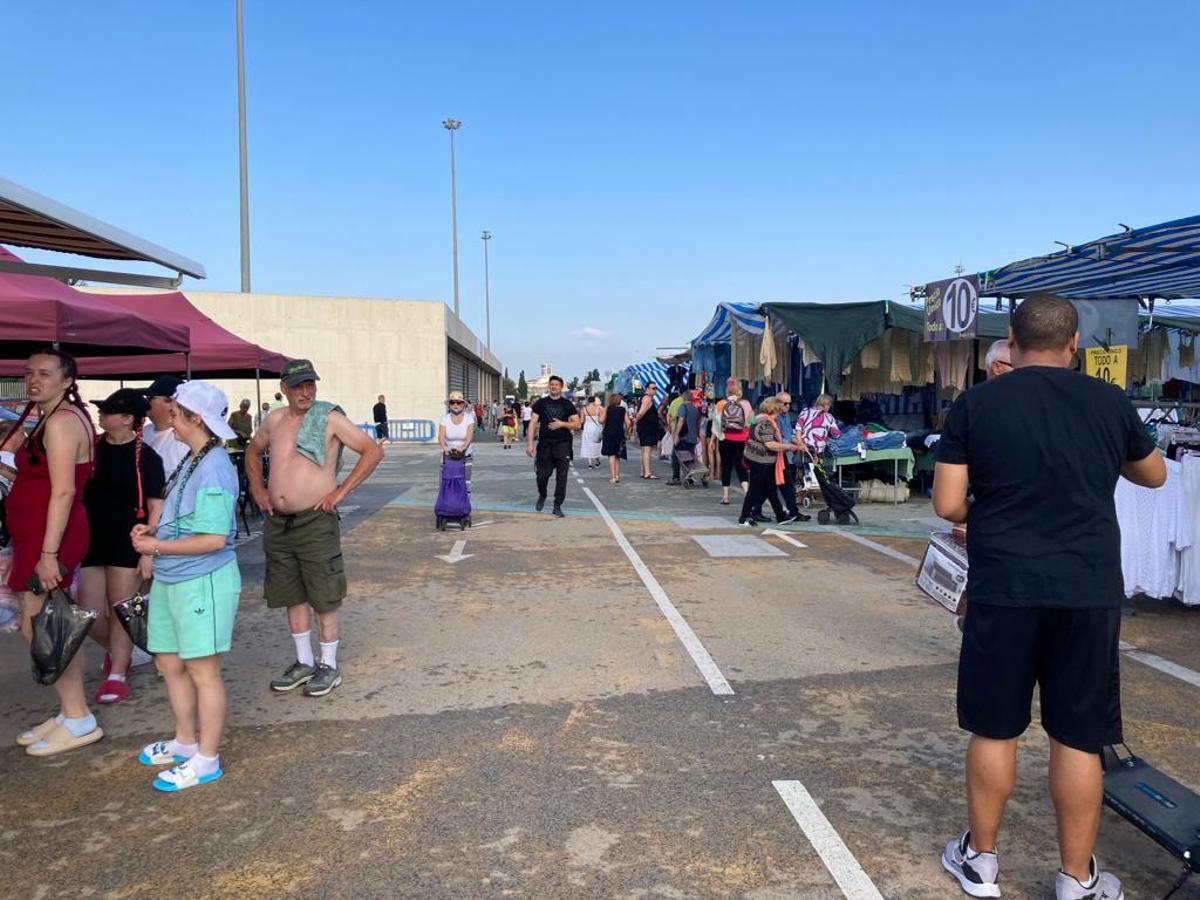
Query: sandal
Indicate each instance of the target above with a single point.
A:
(60, 740)
(650, 477)
(182, 777)
(37, 732)
(112, 691)
(724, 502)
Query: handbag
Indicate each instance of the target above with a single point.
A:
(59, 629)
(134, 616)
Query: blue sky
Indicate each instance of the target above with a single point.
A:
(635, 162)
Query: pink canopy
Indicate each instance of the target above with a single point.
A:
(216, 352)
(37, 311)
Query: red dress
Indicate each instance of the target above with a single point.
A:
(26, 509)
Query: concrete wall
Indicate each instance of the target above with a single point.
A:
(360, 347)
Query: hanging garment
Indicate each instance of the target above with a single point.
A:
(1155, 527)
(1154, 354)
(1181, 358)
(1187, 351)
(897, 355)
(1187, 587)
(953, 357)
(926, 369)
(870, 356)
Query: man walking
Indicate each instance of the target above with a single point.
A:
(380, 417)
(1046, 586)
(527, 413)
(301, 538)
(553, 419)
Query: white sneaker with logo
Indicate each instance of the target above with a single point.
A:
(1103, 886)
(978, 873)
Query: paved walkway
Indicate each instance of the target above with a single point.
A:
(608, 705)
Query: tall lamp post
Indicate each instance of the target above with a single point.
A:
(452, 125)
(242, 176)
(487, 289)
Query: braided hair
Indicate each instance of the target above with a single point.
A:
(70, 369)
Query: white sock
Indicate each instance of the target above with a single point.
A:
(115, 676)
(304, 653)
(205, 765)
(81, 726)
(187, 751)
(329, 654)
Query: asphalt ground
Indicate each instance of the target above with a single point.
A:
(529, 722)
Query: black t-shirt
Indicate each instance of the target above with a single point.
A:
(1044, 447)
(111, 497)
(547, 410)
(379, 411)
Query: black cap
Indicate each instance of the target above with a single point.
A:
(297, 372)
(163, 386)
(126, 402)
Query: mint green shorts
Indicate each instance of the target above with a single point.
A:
(195, 618)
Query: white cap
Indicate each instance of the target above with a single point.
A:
(208, 402)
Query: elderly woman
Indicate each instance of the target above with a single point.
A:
(456, 431)
(764, 456)
(197, 584)
(49, 528)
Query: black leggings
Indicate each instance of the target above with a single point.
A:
(731, 460)
(762, 487)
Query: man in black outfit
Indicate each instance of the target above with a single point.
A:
(1041, 449)
(379, 415)
(553, 422)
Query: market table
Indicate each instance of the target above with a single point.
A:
(903, 463)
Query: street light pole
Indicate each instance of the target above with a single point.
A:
(452, 125)
(487, 289)
(242, 174)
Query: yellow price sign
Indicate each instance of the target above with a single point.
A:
(1111, 365)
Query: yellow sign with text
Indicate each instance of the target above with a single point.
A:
(1111, 365)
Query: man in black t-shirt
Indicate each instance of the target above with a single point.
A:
(554, 421)
(1041, 449)
(379, 415)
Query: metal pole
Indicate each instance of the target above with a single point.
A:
(242, 168)
(452, 125)
(487, 290)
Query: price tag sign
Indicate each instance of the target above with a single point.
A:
(1111, 365)
(952, 309)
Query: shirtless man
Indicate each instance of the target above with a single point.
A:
(301, 538)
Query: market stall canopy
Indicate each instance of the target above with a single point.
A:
(216, 352)
(36, 312)
(1184, 316)
(27, 219)
(643, 373)
(1160, 261)
(720, 329)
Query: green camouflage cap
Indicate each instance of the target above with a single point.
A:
(298, 371)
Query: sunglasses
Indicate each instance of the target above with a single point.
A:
(457, 403)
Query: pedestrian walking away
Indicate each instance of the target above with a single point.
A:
(379, 415)
(197, 585)
(48, 527)
(731, 424)
(590, 443)
(526, 417)
(126, 490)
(1046, 585)
(554, 419)
(301, 537)
(614, 419)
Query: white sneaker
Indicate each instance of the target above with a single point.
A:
(1103, 886)
(978, 873)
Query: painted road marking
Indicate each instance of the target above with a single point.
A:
(783, 535)
(704, 523)
(1183, 673)
(700, 656)
(456, 554)
(845, 869)
(735, 545)
(886, 551)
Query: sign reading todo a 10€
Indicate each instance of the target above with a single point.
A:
(1111, 365)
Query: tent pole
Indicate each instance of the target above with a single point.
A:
(188, 362)
(258, 391)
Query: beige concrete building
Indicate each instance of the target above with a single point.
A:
(412, 351)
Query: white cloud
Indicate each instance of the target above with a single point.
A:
(591, 333)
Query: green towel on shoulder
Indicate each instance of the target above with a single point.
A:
(310, 440)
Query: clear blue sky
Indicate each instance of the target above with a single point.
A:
(636, 162)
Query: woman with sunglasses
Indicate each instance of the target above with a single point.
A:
(649, 429)
(456, 431)
(48, 527)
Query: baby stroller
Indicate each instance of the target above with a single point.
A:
(839, 506)
(691, 470)
(453, 501)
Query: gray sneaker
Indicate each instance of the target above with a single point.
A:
(297, 674)
(1103, 886)
(324, 681)
(978, 873)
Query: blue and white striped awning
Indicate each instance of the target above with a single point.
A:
(1157, 261)
(720, 329)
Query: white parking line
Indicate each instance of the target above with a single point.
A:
(845, 869)
(1183, 673)
(700, 656)
(886, 551)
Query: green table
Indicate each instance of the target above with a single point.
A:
(903, 462)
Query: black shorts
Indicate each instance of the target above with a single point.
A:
(1072, 654)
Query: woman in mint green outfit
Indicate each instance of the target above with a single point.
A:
(196, 585)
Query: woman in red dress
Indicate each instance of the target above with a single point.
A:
(49, 527)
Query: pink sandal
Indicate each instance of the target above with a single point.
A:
(112, 691)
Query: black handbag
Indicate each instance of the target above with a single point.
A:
(134, 616)
(59, 629)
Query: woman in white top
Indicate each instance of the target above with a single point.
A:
(593, 430)
(456, 431)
